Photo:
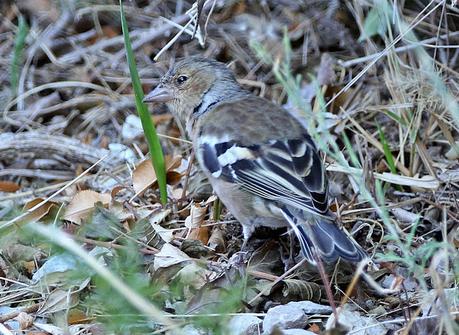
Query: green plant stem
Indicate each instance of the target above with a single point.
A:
(157, 156)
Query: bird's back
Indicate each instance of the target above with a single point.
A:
(242, 117)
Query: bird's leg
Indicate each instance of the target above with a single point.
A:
(187, 176)
(247, 231)
(291, 236)
(323, 276)
(289, 262)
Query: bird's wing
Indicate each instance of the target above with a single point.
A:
(289, 171)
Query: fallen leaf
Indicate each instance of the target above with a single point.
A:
(194, 248)
(8, 186)
(301, 290)
(59, 300)
(216, 241)
(38, 213)
(132, 128)
(102, 224)
(192, 275)
(144, 174)
(168, 256)
(76, 316)
(453, 152)
(82, 203)
(55, 268)
(165, 234)
(116, 190)
(194, 222)
(404, 216)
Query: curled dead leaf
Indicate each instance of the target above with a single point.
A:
(116, 190)
(166, 235)
(76, 316)
(216, 240)
(168, 256)
(195, 223)
(8, 186)
(40, 211)
(144, 174)
(82, 204)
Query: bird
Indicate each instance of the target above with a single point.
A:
(259, 159)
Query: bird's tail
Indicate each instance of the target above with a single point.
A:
(320, 237)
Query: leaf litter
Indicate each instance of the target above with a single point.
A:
(74, 107)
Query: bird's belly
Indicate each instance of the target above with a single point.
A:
(248, 209)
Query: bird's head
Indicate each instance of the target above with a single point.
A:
(193, 84)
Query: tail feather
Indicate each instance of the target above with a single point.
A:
(323, 238)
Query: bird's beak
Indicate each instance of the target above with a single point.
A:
(159, 95)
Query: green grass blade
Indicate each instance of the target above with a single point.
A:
(387, 153)
(149, 130)
(395, 117)
(19, 45)
(352, 155)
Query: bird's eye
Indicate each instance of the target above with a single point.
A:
(181, 79)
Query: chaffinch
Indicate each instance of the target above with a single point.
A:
(260, 161)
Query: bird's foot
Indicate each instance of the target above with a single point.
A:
(288, 261)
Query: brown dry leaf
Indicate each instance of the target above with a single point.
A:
(194, 222)
(144, 174)
(38, 213)
(82, 203)
(8, 186)
(301, 290)
(76, 316)
(116, 190)
(173, 177)
(216, 240)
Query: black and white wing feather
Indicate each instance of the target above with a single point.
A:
(287, 171)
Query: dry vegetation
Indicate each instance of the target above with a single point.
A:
(87, 248)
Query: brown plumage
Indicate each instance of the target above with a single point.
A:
(259, 159)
